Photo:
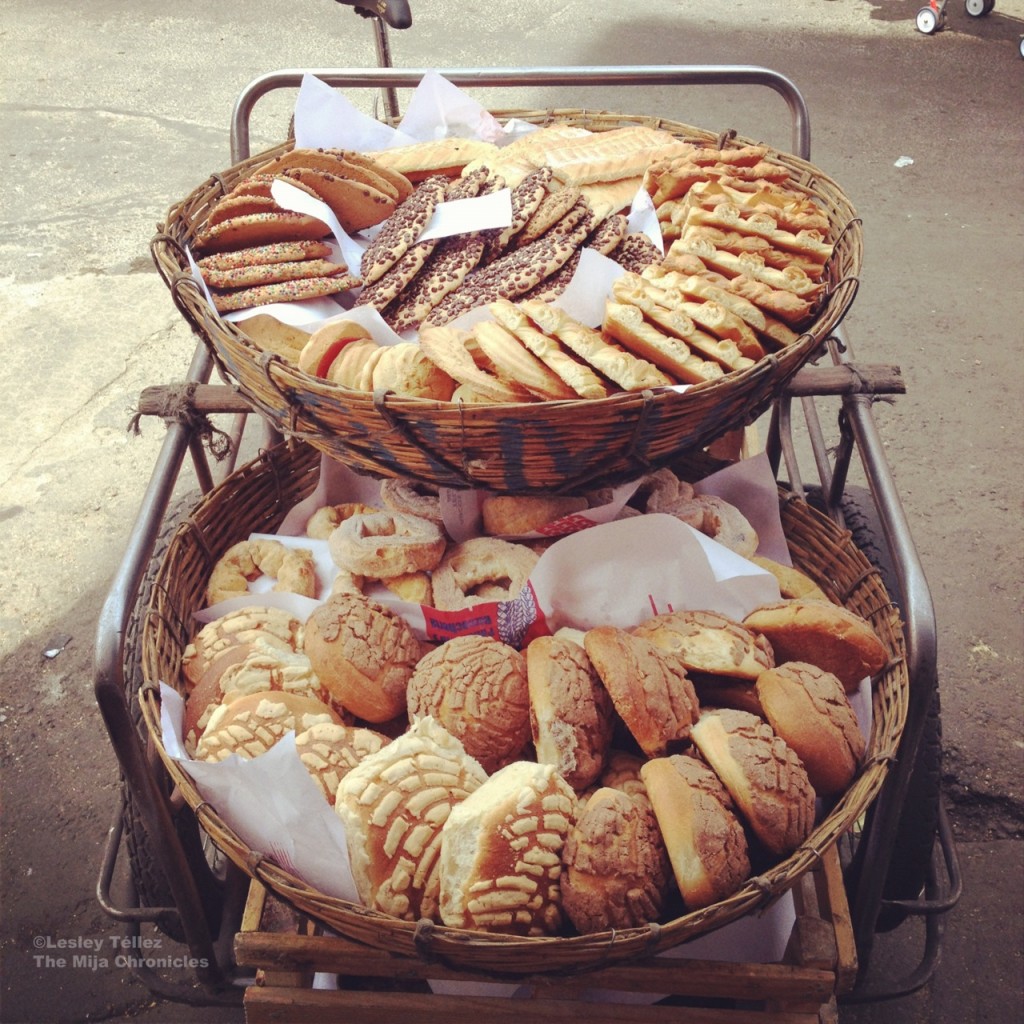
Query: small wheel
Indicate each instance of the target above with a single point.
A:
(978, 8)
(1021, 46)
(926, 21)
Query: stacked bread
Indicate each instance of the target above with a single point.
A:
(595, 779)
(254, 252)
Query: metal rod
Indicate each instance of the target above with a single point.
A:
(576, 77)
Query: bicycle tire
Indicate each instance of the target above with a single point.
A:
(914, 843)
(151, 885)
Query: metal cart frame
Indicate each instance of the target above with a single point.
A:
(850, 385)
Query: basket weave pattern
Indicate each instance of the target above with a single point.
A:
(257, 497)
(537, 447)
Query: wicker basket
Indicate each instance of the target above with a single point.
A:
(547, 446)
(258, 496)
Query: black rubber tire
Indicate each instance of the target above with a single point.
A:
(151, 885)
(914, 845)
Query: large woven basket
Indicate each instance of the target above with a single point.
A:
(255, 499)
(549, 446)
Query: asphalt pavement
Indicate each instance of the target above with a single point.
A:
(110, 112)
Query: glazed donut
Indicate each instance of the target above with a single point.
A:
(324, 521)
(481, 569)
(249, 559)
(411, 499)
(385, 544)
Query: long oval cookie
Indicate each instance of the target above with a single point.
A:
(282, 291)
(276, 252)
(271, 273)
(260, 229)
(402, 229)
(355, 204)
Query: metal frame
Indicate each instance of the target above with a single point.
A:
(859, 435)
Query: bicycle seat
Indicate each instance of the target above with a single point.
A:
(395, 13)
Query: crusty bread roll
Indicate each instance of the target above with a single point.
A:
(251, 725)
(254, 667)
(708, 642)
(706, 844)
(823, 634)
(511, 515)
(330, 751)
(405, 369)
(715, 692)
(501, 852)
(648, 686)
(326, 343)
(762, 774)
(810, 710)
(393, 805)
(237, 629)
(476, 687)
(792, 582)
(363, 653)
(615, 866)
(571, 713)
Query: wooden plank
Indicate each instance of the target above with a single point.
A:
(836, 909)
(668, 975)
(159, 399)
(847, 378)
(268, 1005)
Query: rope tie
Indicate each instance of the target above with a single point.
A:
(178, 406)
(253, 860)
(422, 938)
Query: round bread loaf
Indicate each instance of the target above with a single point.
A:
(363, 654)
(330, 751)
(615, 867)
(512, 515)
(501, 852)
(722, 692)
(251, 725)
(222, 638)
(763, 775)
(648, 686)
(708, 642)
(254, 667)
(476, 687)
(810, 710)
(571, 713)
(823, 634)
(706, 844)
(393, 805)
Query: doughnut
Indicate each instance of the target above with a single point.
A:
(481, 569)
(385, 544)
(324, 521)
(411, 498)
(249, 559)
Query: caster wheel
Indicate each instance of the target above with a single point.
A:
(927, 21)
(1021, 46)
(978, 8)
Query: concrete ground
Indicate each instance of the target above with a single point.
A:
(109, 112)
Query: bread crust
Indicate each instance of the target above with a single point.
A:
(810, 710)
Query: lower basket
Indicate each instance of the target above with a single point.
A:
(256, 498)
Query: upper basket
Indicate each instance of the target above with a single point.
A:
(542, 446)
